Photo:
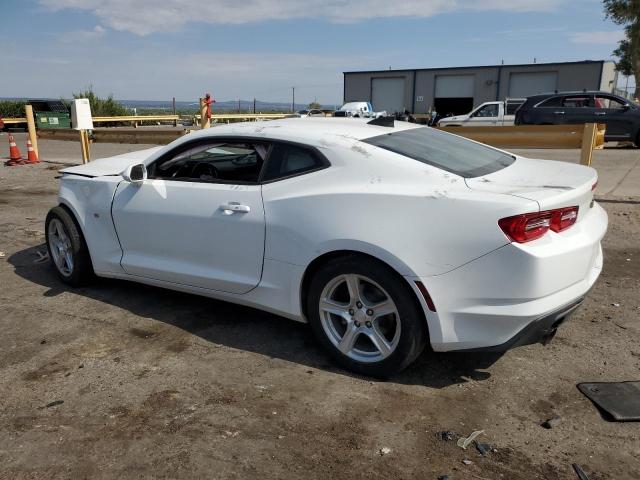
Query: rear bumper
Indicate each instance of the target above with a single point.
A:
(539, 331)
(517, 294)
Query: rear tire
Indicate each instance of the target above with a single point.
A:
(67, 248)
(366, 316)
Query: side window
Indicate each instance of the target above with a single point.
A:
(551, 103)
(608, 102)
(581, 101)
(287, 160)
(487, 111)
(212, 162)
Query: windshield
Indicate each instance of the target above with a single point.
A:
(350, 106)
(448, 152)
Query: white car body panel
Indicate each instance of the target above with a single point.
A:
(427, 224)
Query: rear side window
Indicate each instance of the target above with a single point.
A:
(551, 102)
(442, 150)
(288, 160)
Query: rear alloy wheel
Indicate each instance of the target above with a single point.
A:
(366, 316)
(67, 249)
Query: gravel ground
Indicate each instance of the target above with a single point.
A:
(119, 380)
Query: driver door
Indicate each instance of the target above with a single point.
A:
(484, 116)
(198, 219)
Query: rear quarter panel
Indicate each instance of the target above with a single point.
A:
(419, 219)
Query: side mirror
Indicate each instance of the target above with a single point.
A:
(626, 106)
(135, 173)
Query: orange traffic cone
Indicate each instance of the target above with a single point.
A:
(32, 156)
(15, 157)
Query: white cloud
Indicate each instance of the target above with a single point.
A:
(82, 35)
(597, 37)
(144, 17)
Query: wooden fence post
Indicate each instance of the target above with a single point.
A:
(31, 127)
(588, 143)
(84, 145)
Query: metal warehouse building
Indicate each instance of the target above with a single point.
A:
(458, 89)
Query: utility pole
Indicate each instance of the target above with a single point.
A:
(254, 105)
(293, 99)
(238, 105)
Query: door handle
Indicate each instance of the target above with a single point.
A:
(600, 113)
(232, 207)
(559, 112)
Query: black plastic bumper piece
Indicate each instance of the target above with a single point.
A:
(539, 331)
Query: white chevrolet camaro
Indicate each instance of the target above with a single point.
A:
(384, 237)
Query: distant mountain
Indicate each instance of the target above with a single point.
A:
(222, 105)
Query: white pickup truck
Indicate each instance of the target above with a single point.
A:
(358, 109)
(487, 114)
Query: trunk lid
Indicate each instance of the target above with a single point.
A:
(552, 184)
(111, 165)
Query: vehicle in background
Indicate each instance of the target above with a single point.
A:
(498, 113)
(358, 110)
(621, 116)
(314, 112)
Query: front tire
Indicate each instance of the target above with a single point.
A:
(366, 316)
(67, 248)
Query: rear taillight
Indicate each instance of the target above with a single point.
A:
(530, 226)
(594, 186)
(563, 218)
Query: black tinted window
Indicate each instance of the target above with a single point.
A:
(448, 152)
(551, 102)
(217, 162)
(286, 160)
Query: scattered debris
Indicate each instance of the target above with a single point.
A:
(620, 326)
(483, 448)
(42, 257)
(444, 477)
(465, 442)
(42, 342)
(54, 403)
(446, 435)
(615, 304)
(2, 254)
(280, 437)
(81, 365)
(551, 423)
(579, 472)
(467, 462)
(229, 434)
(384, 451)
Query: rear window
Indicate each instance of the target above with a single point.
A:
(448, 152)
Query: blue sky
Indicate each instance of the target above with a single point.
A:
(157, 49)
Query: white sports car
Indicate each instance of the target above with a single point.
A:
(383, 236)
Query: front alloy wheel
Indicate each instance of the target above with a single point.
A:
(67, 248)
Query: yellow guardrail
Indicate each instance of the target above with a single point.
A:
(138, 118)
(11, 121)
(587, 137)
(116, 135)
(245, 116)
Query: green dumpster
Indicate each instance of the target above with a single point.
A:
(46, 120)
(51, 114)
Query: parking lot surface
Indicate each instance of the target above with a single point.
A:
(120, 380)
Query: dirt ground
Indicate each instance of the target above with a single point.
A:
(119, 380)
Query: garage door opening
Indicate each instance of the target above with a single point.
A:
(454, 94)
(388, 94)
(523, 85)
(448, 107)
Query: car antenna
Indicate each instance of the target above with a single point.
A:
(383, 121)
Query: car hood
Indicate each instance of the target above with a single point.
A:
(111, 165)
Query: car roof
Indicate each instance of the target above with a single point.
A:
(572, 92)
(313, 130)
